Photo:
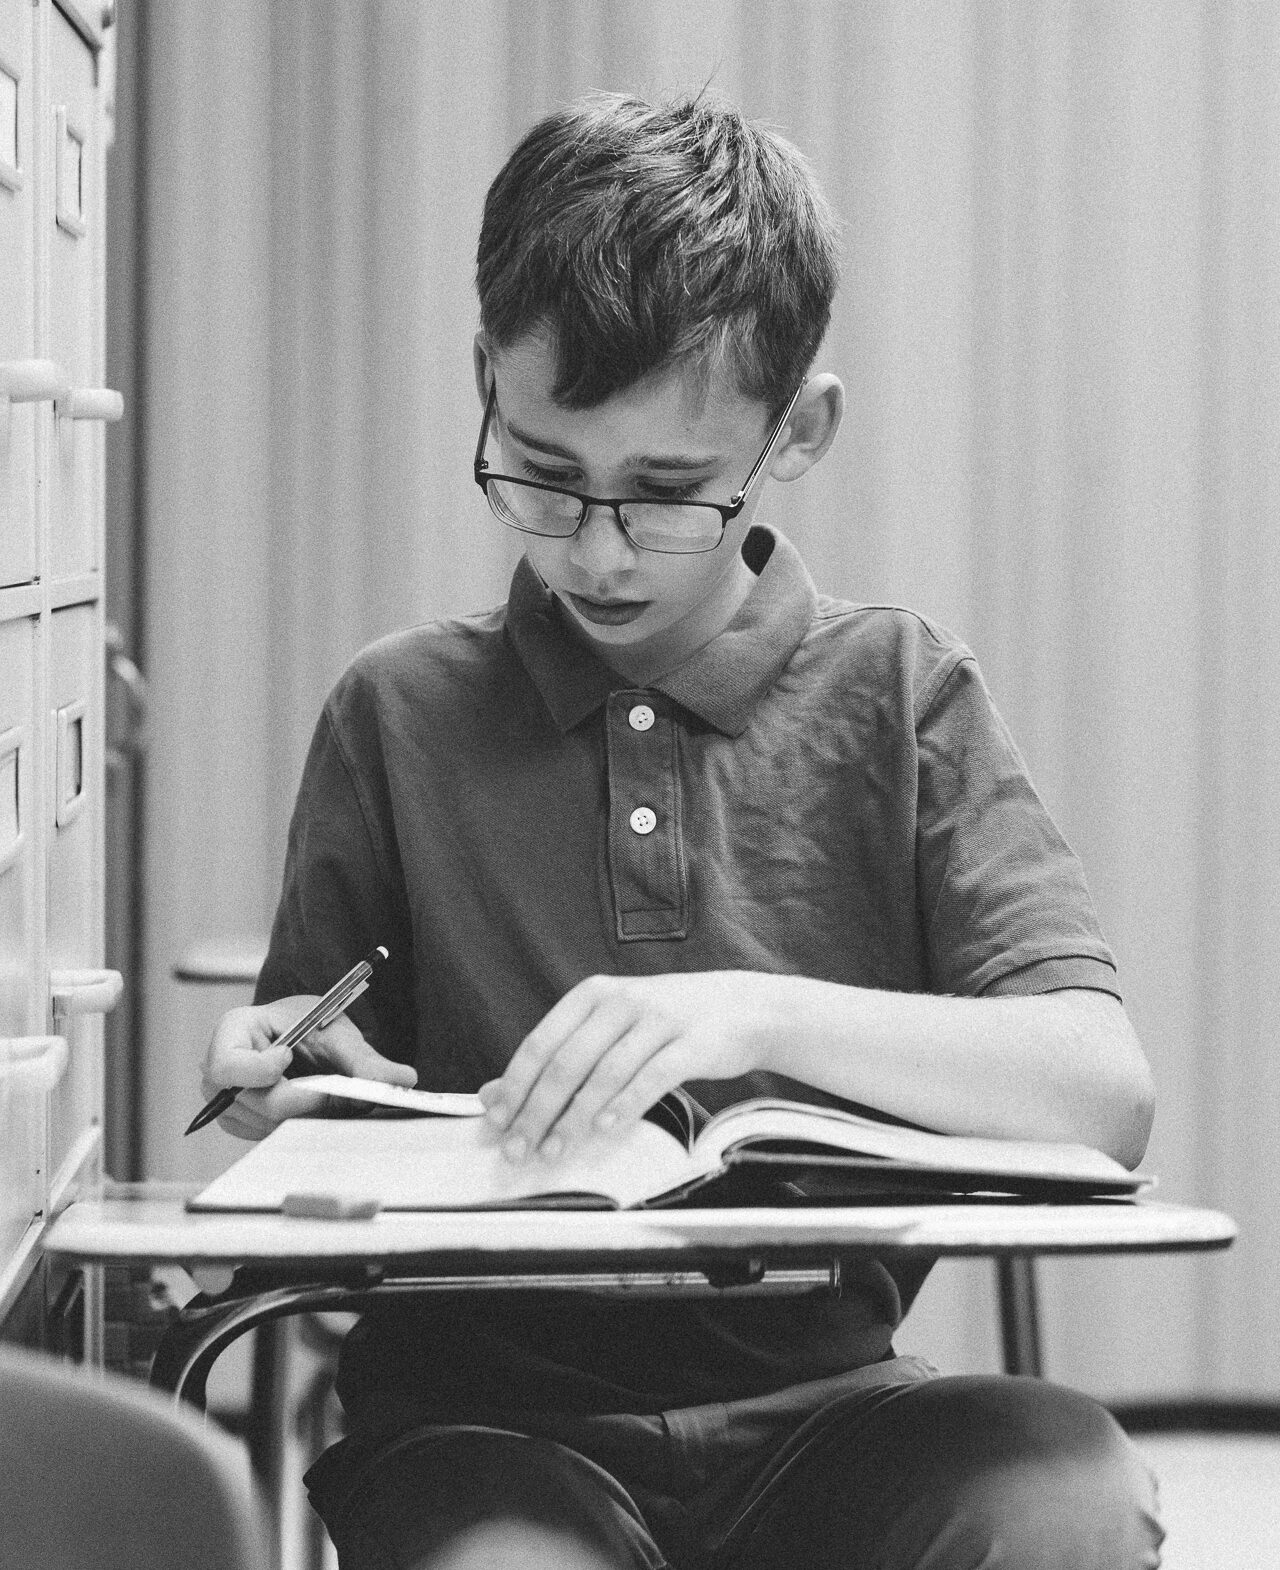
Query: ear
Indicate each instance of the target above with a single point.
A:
(483, 362)
(811, 429)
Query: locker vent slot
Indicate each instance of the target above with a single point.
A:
(70, 765)
(10, 797)
(10, 167)
(69, 172)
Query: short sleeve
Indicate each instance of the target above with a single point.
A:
(341, 898)
(1002, 896)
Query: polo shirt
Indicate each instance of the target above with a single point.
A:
(824, 789)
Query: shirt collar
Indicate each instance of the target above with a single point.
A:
(721, 683)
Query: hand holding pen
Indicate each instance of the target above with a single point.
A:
(334, 1003)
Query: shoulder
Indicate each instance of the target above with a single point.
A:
(421, 685)
(418, 663)
(892, 651)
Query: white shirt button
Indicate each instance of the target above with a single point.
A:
(644, 820)
(641, 717)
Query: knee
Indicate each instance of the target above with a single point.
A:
(1034, 1474)
(459, 1499)
(515, 1545)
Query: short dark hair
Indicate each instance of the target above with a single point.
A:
(641, 236)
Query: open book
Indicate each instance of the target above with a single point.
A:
(786, 1150)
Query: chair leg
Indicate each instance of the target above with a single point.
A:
(1019, 1315)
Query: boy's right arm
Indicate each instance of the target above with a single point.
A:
(243, 1052)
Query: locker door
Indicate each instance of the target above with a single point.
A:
(74, 781)
(18, 553)
(72, 223)
(30, 1067)
(21, 939)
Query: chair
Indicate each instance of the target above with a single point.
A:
(97, 1473)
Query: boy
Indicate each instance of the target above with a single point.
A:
(669, 817)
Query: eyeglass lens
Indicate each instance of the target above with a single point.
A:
(679, 528)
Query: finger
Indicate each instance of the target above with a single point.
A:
(659, 1074)
(243, 1048)
(361, 1061)
(561, 1077)
(539, 1045)
(245, 1128)
(247, 1069)
(245, 1122)
(289, 1098)
(590, 1112)
(341, 1047)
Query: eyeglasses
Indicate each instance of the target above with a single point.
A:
(676, 528)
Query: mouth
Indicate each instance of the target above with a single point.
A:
(607, 613)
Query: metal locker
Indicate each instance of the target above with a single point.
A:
(53, 990)
(80, 990)
(19, 556)
(21, 926)
(30, 1068)
(72, 224)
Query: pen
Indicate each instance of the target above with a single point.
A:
(338, 998)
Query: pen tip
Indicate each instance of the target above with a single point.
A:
(381, 953)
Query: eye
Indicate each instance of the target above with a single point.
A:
(535, 471)
(650, 491)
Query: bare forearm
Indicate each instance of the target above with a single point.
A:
(1064, 1066)
(1061, 1067)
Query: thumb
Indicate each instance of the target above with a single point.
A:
(364, 1063)
(342, 1046)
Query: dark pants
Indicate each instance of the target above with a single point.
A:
(886, 1468)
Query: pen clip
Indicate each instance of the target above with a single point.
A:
(341, 1005)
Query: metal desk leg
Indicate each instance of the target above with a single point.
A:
(1019, 1314)
(94, 1306)
(207, 1326)
(268, 1408)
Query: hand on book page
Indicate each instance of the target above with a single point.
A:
(613, 1046)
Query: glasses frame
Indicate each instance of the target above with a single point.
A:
(728, 510)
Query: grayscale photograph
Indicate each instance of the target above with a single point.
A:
(639, 784)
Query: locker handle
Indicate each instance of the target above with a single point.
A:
(91, 403)
(220, 965)
(44, 1058)
(33, 381)
(85, 991)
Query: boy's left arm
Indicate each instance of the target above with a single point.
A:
(1059, 1066)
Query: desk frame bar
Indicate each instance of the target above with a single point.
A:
(191, 1347)
(1019, 1315)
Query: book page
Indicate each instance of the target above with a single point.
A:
(732, 1132)
(435, 1164)
(373, 1092)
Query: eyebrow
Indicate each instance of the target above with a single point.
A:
(671, 462)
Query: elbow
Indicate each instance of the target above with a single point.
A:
(1139, 1111)
(1115, 1082)
(1132, 1102)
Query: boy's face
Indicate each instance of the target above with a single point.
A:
(669, 435)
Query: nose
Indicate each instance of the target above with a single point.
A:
(601, 546)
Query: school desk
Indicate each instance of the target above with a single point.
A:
(287, 1265)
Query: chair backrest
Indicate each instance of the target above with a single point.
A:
(97, 1473)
